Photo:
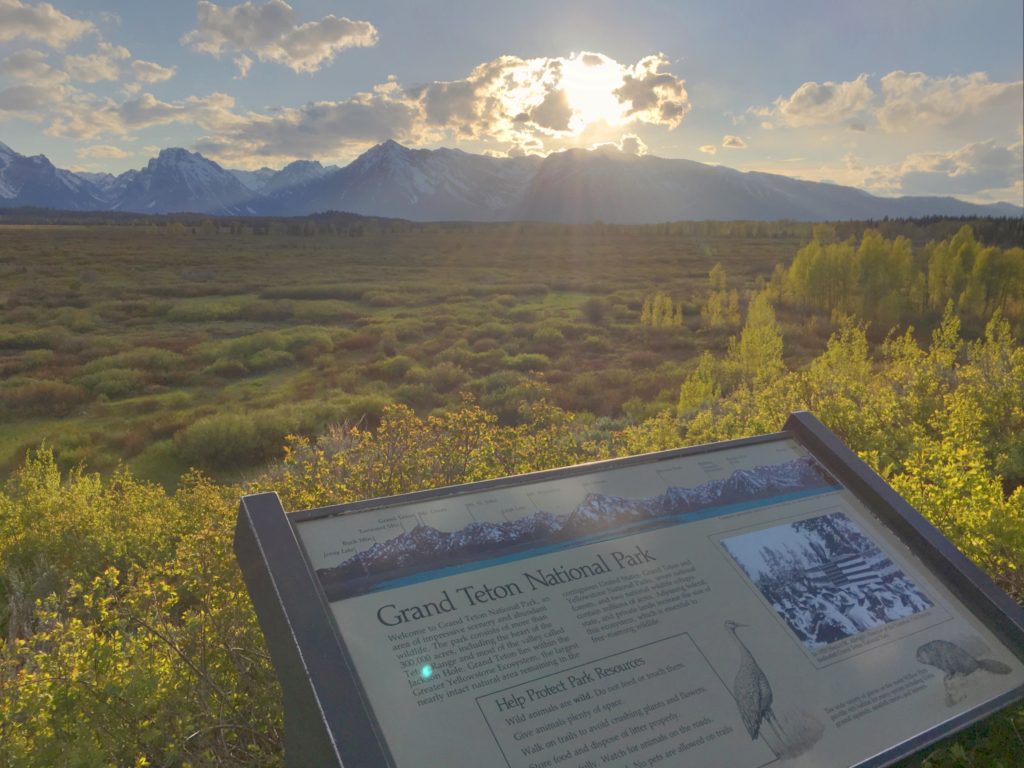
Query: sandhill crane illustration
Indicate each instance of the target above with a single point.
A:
(753, 693)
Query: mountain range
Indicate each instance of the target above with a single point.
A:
(574, 186)
(425, 548)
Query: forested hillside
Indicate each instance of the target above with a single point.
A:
(128, 637)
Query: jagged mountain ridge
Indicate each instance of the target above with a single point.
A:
(426, 547)
(179, 180)
(390, 180)
(416, 184)
(35, 181)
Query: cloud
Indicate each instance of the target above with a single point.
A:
(102, 65)
(37, 87)
(270, 32)
(971, 169)
(906, 101)
(42, 23)
(508, 106)
(709, 149)
(554, 112)
(632, 144)
(511, 105)
(628, 143)
(244, 64)
(654, 95)
(825, 103)
(983, 171)
(30, 65)
(103, 151)
(86, 116)
(23, 100)
(150, 72)
(733, 142)
(913, 99)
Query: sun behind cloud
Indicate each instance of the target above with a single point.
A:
(590, 82)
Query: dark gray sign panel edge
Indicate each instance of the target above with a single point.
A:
(328, 719)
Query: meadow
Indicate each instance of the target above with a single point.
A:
(168, 349)
(332, 360)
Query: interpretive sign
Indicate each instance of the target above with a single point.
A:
(767, 601)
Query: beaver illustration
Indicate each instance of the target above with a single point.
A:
(954, 660)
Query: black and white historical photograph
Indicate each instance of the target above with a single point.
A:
(826, 578)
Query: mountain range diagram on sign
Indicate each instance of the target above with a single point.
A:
(425, 552)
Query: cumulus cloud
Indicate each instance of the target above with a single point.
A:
(983, 171)
(102, 65)
(151, 72)
(516, 106)
(30, 65)
(733, 142)
(244, 64)
(709, 149)
(271, 32)
(913, 99)
(507, 106)
(628, 143)
(905, 101)
(37, 86)
(23, 100)
(821, 103)
(968, 170)
(42, 23)
(103, 151)
(87, 116)
(632, 144)
(554, 112)
(653, 94)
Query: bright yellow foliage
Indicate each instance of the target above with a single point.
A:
(129, 638)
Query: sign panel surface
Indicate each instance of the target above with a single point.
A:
(737, 606)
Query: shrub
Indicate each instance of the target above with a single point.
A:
(393, 368)
(325, 311)
(203, 310)
(37, 358)
(548, 338)
(263, 311)
(226, 369)
(528, 361)
(153, 359)
(594, 309)
(115, 382)
(445, 376)
(383, 298)
(309, 343)
(41, 397)
(595, 344)
(267, 359)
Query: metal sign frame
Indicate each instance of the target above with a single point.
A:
(328, 718)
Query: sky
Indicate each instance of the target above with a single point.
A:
(899, 97)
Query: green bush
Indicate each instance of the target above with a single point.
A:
(41, 397)
(267, 359)
(115, 382)
(393, 368)
(203, 310)
(548, 338)
(528, 361)
(153, 359)
(226, 369)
